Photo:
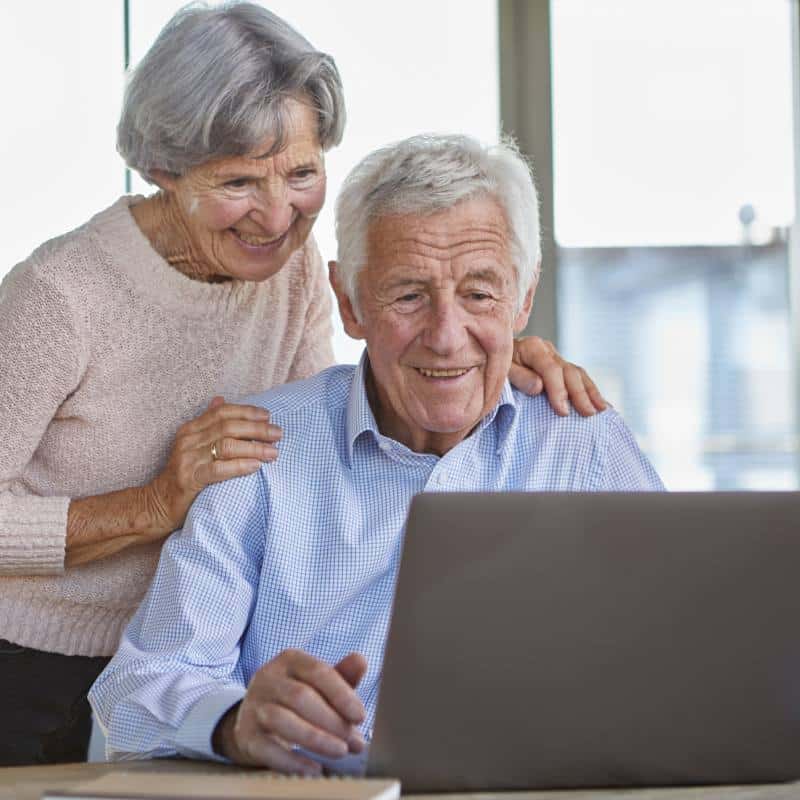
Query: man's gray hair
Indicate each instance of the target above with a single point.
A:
(215, 83)
(429, 173)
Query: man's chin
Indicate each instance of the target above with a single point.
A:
(449, 425)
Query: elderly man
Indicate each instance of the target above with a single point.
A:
(262, 636)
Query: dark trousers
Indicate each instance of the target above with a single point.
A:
(44, 713)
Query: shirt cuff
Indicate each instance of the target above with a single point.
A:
(193, 738)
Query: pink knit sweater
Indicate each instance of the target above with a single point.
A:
(105, 350)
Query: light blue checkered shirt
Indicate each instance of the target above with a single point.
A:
(304, 553)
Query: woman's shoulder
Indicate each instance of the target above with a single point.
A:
(68, 262)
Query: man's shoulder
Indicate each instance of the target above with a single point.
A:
(325, 391)
(582, 453)
(538, 412)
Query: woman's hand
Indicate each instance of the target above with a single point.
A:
(225, 441)
(536, 365)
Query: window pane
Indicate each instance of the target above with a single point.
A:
(400, 78)
(62, 81)
(673, 198)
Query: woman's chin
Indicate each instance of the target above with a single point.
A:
(258, 262)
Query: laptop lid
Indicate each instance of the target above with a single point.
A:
(569, 640)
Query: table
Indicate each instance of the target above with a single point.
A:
(28, 783)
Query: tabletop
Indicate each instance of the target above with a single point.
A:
(28, 783)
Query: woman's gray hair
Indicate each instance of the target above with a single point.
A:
(429, 173)
(215, 83)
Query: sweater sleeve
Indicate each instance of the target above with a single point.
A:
(315, 352)
(40, 365)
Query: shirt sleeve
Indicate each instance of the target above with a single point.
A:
(626, 468)
(315, 352)
(177, 670)
(41, 355)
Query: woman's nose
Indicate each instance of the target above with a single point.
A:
(273, 210)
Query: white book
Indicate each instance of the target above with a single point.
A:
(238, 785)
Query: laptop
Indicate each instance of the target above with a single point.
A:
(590, 640)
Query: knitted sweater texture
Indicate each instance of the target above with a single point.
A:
(105, 350)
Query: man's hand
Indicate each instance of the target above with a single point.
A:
(536, 365)
(295, 699)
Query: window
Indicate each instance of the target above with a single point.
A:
(673, 165)
(62, 84)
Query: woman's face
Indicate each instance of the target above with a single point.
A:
(243, 216)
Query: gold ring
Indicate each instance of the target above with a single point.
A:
(214, 454)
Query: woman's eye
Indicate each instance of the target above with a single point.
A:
(408, 298)
(304, 176)
(479, 296)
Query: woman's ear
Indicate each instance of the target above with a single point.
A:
(352, 325)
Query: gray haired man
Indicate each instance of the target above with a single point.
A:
(261, 639)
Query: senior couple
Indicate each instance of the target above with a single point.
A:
(261, 638)
(121, 341)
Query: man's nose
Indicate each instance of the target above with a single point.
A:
(446, 330)
(273, 210)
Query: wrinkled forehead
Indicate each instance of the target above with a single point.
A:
(471, 234)
(262, 162)
(300, 146)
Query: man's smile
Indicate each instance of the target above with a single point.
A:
(443, 372)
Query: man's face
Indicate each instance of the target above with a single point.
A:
(438, 311)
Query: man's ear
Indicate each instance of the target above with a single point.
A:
(163, 179)
(524, 313)
(352, 327)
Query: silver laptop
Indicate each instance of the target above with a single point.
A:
(574, 640)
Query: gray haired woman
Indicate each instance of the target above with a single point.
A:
(121, 339)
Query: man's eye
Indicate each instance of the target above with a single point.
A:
(408, 298)
(479, 296)
(237, 183)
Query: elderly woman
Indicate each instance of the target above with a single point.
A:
(118, 334)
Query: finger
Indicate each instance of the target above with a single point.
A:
(555, 388)
(224, 469)
(535, 353)
(238, 448)
(581, 402)
(261, 750)
(597, 399)
(309, 704)
(352, 668)
(339, 695)
(223, 411)
(292, 728)
(245, 429)
(217, 400)
(525, 379)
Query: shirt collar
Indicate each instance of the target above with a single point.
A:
(361, 419)
(359, 412)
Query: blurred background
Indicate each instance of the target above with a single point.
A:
(662, 137)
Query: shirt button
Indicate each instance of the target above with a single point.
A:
(384, 445)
